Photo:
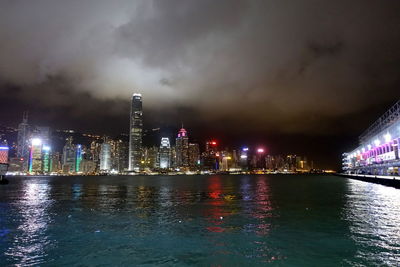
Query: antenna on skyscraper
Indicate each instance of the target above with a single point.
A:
(25, 116)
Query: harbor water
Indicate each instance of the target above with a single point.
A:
(220, 220)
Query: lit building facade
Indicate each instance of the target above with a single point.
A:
(165, 153)
(135, 134)
(105, 157)
(378, 150)
(69, 157)
(194, 155)
(23, 150)
(35, 162)
(182, 149)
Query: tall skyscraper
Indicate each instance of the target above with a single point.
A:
(135, 134)
(165, 153)
(105, 157)
(23, 142)
(194, 155)
(182, 149)
(35, 165)
(69, 157)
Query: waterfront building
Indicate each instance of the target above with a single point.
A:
(135, 133)
(69, 157)
(165, 153)
(119, 155)
(182, 149)
(150, 158)
(173, 157)
(88, 166)
(23, 149)
(46, 160)
(244, 159)
(378, 149)
(194, 156)
(105, 157)
(55, 163)
(35, 159)
(78, 157)
(210, 160)
(4, 154)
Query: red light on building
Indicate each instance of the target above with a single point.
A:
(214, 143)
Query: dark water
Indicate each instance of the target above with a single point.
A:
(198, 220)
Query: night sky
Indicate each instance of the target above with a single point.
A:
(305, 77)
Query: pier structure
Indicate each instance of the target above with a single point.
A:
(378, 151)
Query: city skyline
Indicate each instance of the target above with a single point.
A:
(309, 73)
(129, 156)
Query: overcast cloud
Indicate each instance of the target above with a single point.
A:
(293, 66)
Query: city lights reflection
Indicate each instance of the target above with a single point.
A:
(30, 244)
(369, 208)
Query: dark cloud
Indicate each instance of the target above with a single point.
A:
(248, 67)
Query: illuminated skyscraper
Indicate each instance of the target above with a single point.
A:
(194, 155)
(78, 157)
(165, 153)
(23, 142)
(182, 149)
(35, 164)
(105, 157)
(69, 157)
(135, 134)
(46, 163)
(210, 158)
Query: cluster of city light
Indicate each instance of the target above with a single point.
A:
(36, 141)
(376, 143)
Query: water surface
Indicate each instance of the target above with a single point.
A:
(238, 220)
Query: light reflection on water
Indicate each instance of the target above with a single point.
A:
(374, 215)
(198, 220)
(30, 241)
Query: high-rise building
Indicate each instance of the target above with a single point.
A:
(135, 134)
(150, 158)
(46, 159)
(165, 153)
(23, 142)
(78, 157)
(105, 157)
(182, 149)
(4, 154)
(210, 156)
(119, 155)
(244, 158)
(35, 163)
(194, 155)
(69, 157)
(55, 162)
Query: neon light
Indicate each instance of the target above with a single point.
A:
(369, 147)
(377, 142)
(245, 149)
(46, 148)
(30, 160)
(243, 156)
(4, 147)
(387, 137)
(214, 143)
(260, 150)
